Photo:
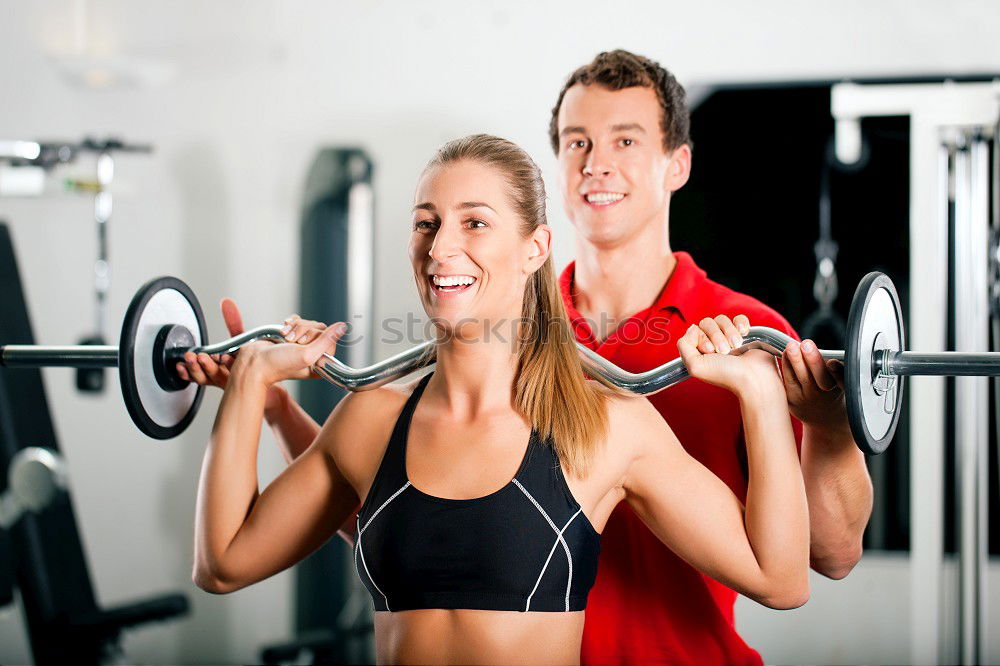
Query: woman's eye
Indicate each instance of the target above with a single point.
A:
(474, 222)
(626, 142)
(423, 224)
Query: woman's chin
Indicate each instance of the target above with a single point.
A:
(456, 326)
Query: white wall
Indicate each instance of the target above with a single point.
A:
(258, 87)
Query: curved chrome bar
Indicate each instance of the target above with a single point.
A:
(373, 376)
(674, 372)
(411, 360)
(270, 332)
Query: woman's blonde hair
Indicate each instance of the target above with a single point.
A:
(550, 389)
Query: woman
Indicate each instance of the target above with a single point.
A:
(485, 485)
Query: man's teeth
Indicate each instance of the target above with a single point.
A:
(452, 280)
(604, 197)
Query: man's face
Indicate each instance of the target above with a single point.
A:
(614, 174)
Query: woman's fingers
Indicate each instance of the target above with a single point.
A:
(728, 328)
(325, 342)
(687, 346)
(742, 323)
(289, 322)
(302, 331)
(306, 331)
(716, 340)
(722, 333)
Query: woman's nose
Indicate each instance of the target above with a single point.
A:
(447, 243)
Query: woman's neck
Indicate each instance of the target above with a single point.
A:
(474, 377)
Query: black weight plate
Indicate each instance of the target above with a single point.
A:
(159, 413)
(875, 322)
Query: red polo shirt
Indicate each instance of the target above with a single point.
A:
(648, 605)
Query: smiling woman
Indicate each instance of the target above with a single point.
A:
(484, 486)
(504, 247)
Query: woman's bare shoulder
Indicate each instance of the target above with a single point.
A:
(620, 403)
(630, 414)
(358, 429)
(370, 409)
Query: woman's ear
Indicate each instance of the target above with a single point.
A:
(539, 248)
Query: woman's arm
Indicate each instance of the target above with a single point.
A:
(294, 429)
(761, 550)
(241, 538)
(292, 426)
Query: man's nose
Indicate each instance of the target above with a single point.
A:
(598, 163)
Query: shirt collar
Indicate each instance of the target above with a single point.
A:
(678, 294)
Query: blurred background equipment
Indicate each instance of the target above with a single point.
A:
(23, 167)
(43, 547)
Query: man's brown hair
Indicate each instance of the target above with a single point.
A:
(619, 69)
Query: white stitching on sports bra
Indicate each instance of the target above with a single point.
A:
(559, 539)
(545, 566)
(361, 530)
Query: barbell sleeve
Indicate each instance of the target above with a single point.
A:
(50, 356)
(948, 364)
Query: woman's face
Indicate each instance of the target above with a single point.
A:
(470, 260)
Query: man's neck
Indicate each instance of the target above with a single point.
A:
(612, 283)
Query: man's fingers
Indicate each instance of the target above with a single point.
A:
(793, 353)
(209, 367)
(231, 315)
(195, 372)
(816, 364)
(792, 386)
(836, 369)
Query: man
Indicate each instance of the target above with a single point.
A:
(620, 132)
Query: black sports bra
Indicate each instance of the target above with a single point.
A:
(525, 547)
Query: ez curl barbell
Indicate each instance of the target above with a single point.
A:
(164, 321)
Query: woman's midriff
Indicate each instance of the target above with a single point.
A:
(442, 636)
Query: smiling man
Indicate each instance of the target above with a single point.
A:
(620, 132)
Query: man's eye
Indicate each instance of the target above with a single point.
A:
(577, 144)
(626, 142)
